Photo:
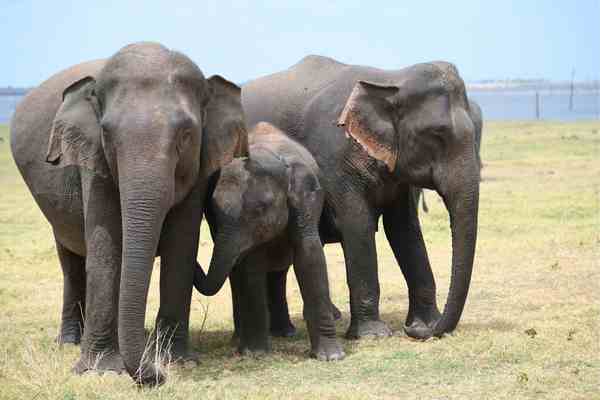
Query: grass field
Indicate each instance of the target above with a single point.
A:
(530, 328)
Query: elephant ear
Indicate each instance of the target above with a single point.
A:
(225, 135)
(75, 138)
(368, 118)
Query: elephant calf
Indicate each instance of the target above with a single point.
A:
(264, 215)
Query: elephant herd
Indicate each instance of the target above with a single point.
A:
(124, 156)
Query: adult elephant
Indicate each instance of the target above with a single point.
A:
(117, 154)
(374, 133)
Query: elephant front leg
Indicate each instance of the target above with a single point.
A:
(178, 252)
(281, 325)
(251, 278)
(73, 310)
(99, 346)
(360, 254)
(403, 231)
(311, 272)
(171, 333)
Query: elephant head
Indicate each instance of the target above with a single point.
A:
(145, 122)
(419, 127)
(249, 207)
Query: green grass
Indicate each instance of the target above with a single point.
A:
(536, 269)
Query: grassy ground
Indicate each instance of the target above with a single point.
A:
(529, 330)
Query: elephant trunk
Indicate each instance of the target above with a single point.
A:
(144, 204)
(225, 256)
(462, 204)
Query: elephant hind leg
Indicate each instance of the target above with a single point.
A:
(281, 325)
(73, 310)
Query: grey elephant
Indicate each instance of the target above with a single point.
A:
(118, 153)
(375, 134)
(264, 215)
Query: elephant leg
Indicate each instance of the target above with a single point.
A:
(254, 319)
(99, 346)
(281, 325)
(172, 322)
(73, 269)
(178, 253)
(360, 254)
(337, 314)
(311, 272)
(403, 231)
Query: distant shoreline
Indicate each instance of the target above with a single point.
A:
(557, 87)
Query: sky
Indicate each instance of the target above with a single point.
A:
(242, 40)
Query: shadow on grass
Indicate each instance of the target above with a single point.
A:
(218, 352)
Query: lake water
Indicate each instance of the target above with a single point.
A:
(7, 107)
(496, 105)
(502, 105)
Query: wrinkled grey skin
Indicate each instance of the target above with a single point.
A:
(264, 215)
(117, 154)
(375, 134)
(477, 118)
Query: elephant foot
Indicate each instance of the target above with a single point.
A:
(70, 333)
(171, 338)
(110, 361)
(149, 375)
(254, 348)
(235, 339)
(284, 330)
(420, 326)
(280, 324)
(187, 357)
(370, 328)
(255, 353)
(328, 349)
(175, 353)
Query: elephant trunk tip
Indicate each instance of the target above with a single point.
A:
(200, 282)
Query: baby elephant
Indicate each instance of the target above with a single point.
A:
(264, 216)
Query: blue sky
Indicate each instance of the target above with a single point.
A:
(242, 40)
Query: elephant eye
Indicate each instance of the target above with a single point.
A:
(257, 207)
(186, 134)
(107, 129)
(185, 138)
